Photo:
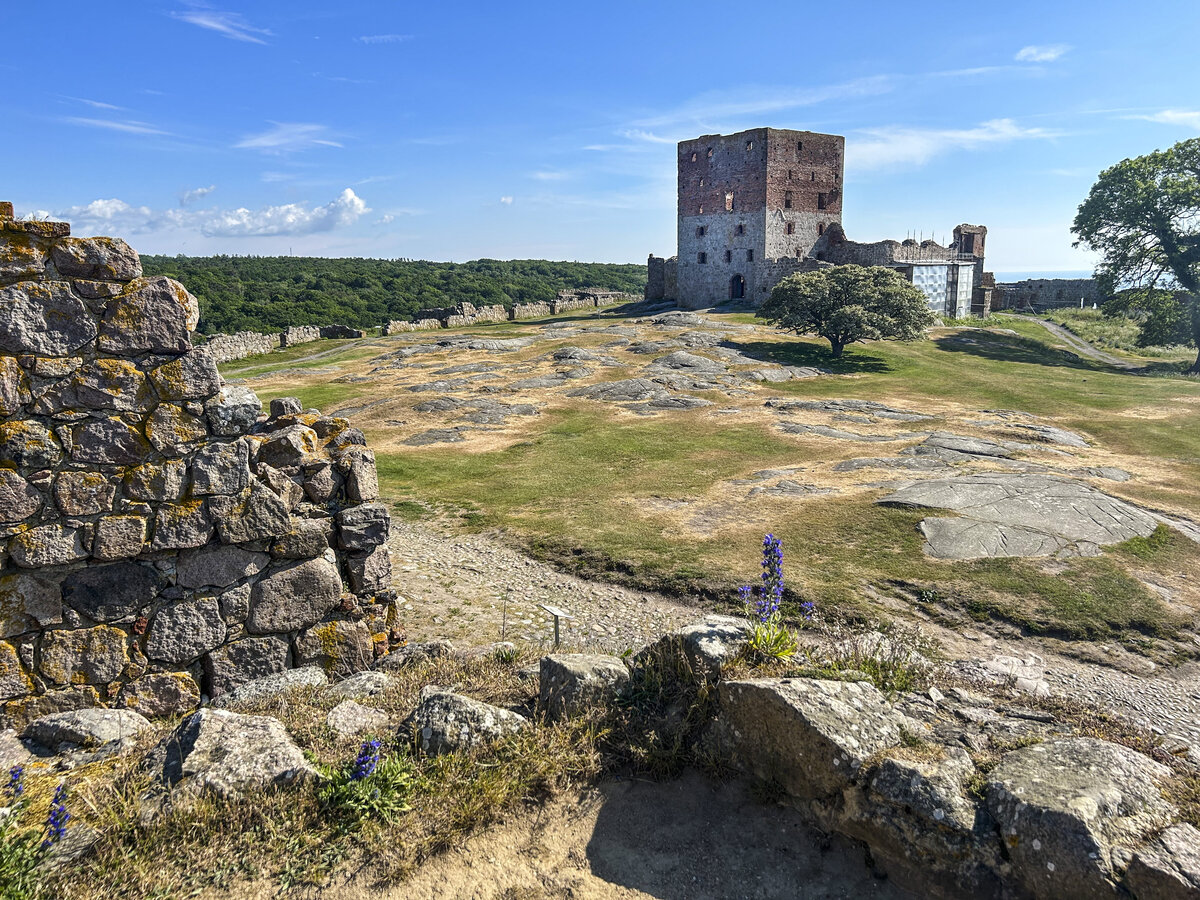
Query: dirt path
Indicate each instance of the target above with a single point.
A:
(1082, 347)
(689, 839)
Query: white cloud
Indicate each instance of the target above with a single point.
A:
(896, 146)
(384, 38)
(128, 127)
(507, 201)
(385, 220)
(636, 134)
(286, 137)
(188, 197)
(1185, 117)
(226, 24)
(95, 104)
(1037, 53)
(116, 217)
(549, 175)
(291, 218)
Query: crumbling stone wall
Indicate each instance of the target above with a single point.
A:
(299, 334)
(1047, 293)
(396, 326)
(159, 536)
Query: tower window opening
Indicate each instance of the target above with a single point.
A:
(787, 199)
(822, 201)
(741, 229)
(749, 145)
(728, 256)
(701, 257)
(729, 201)
(695, 157)
(749, 256)
(790, 228)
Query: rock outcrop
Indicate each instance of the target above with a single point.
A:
(159, 534)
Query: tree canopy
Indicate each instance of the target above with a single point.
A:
(846, 304)
(269, 293)
(1143, 216)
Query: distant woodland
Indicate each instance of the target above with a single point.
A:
(268, 293)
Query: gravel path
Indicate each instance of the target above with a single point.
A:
(1079, 345)
(455, 587)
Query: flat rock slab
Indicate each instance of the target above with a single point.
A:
(349, 718)
(1011, 514)
(843, 435)
(908, 463)
(444, 721)
(273, 685)
(437, 436)
(788, 488)
(103, 730)
(629, 390)
(870, 407)
(682, 361)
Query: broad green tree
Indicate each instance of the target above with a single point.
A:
(1143, 216)
(846, 304)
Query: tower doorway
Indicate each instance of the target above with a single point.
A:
(737, 288)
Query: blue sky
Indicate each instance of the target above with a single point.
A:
(457, 131)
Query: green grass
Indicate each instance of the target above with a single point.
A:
(1116, 334)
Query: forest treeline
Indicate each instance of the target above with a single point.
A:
(269, 293)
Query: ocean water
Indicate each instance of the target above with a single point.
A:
(1062, 273)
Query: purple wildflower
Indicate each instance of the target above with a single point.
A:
(16, 787)
(56, 821)
(366, 761)
(772, 577)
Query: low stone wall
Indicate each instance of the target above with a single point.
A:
(299, 334)
(340, 332)
(1046, 293)
(159, 537)
(228, 347)
(529, 311)
(396, 326)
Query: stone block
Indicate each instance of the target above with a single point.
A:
(108, 442)
(363, 527)
(233, 411)
(274, 685)
(285, 406)
(288, 490)
(321, 483)
(221, 468)
(152, 315)
(22, 257)
(178, 526)
(106, 730)
(174, 431)
(18, 498)
(288, 446)
(218, 566)
(350, 718)
(48, 545)
(362, 479)
(1168, 867)
(83, 493)
(153, 482)
(84, 656)
(98, 258)
(339, 648)
(14, 682)
(244, 661)
(294, 596)
(120, 537)
(104, 384)
(572, 683)
(14, 387)
(370, 572)
(28, 602)
(26, 443)
(255, 515)
(219, 752)
(1063, 806)
(235, 604)
(111, 592)
(445, 722)
(184, 631)
(305, 539)
(161, 694)
(812, 737)
(44, 318)
(192, 376)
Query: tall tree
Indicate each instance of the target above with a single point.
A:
(1143, 216)
(845, 304)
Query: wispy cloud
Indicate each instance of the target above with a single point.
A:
(549, 175)
(1038, 53)
(128, 126)
(882, 148)
(288, 137)
(226, 24)
(724, 106)
(114, 216)
(1185, 117)
(189, 197)
(384, 38)
(507, 201)
(636, 134)
(94, 104)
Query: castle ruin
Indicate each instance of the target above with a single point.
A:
(759, 205)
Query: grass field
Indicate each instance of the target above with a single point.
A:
(1118, 335)
(641, 499)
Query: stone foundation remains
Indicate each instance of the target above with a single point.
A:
(1040, 294)
(160, 538)
(228, 347)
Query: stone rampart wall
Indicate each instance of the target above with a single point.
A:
(529, 311)
(1047, 293)
(228, 347)
(299, 334)
(160, 537)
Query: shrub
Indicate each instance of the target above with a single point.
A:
(370, 787)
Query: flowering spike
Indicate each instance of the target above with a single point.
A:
(366, 761)
(56, 820)
(16, 786)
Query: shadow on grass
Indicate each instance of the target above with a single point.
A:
(1005, 348)
(853, 362)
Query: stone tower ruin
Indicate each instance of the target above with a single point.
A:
(748, 199)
